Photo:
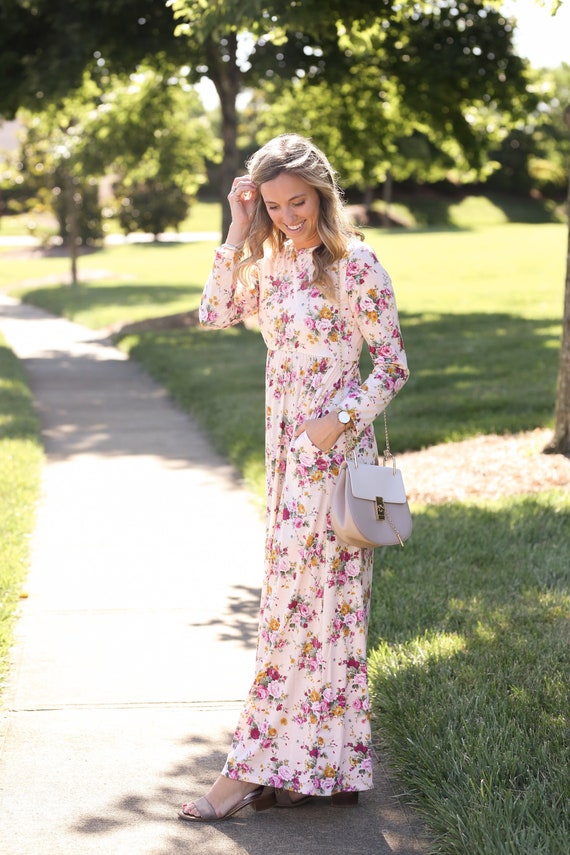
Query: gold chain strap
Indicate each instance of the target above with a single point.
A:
(393, 527)
(387, 452)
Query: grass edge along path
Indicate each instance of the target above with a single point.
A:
(21, 461)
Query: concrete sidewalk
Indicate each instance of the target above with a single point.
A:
(135, 646)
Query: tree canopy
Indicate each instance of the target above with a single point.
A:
(392, 112)
(442, 66)
(394, 69)
(47, 45)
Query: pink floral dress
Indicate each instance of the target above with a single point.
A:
(305, 725)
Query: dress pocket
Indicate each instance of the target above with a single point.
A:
(308, 462)
(307, 443)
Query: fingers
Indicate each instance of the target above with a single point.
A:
(301, 429)
(322, 432)
(243, 190)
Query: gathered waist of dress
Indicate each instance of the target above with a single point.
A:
(315, 357)
(308, 384)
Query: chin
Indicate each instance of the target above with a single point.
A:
(302, 240)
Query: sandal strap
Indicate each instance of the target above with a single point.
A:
(205, 809)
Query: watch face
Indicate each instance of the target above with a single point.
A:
(344, 417)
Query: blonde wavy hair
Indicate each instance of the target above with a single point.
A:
(298, 155)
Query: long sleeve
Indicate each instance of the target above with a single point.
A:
(373, 307)
(226, 302)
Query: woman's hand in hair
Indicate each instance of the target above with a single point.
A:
(243, 199)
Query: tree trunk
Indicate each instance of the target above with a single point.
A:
(72, 224)
(226, 77)
(387, 198)
(560, 443)
(368, 196)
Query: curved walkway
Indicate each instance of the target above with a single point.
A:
(135, 645)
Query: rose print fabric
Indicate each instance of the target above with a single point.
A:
(305, 725)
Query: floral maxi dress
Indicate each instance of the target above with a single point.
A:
(305, 725)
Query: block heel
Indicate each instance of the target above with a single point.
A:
(265, 800)
(345, 799)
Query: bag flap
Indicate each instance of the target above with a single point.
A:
(367, 481)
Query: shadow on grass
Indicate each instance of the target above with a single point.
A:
(476, 373)
(169, 243)
(524, 211)
(68, 301)
(465, 562)
(435, 212)
(470, 671)
(470, 374)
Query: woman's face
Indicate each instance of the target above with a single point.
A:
(293, 206)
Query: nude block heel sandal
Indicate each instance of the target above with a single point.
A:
(345, 799)
(266, 799)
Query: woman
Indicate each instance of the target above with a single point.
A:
(294, 263)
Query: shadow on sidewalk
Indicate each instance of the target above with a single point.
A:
(378, 826)
(239, 623)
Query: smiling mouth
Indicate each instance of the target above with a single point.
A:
(295, 228)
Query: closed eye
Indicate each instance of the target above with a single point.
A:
(272, 207)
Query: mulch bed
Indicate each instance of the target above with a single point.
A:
(485, 467)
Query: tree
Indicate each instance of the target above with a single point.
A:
(148, 130)
(534, 154)
(415, 122)
(47, 45)
(237, 44)
(52, 151)
(560, 443)
(391, 45)
(550, 149)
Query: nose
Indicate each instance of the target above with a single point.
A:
(290, 218)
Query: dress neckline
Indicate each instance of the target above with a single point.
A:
(306, 252)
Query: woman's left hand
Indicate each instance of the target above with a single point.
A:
(323, 432)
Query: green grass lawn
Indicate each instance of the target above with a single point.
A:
(21, 458)
(120, 283)
(469, 653)
(203, 216)
(470, 672)
(481, 316)
(480, 309)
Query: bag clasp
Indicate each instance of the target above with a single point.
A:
(380, 510)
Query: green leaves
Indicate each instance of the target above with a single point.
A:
(46, 45)
(427, 96)
(148, 130)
